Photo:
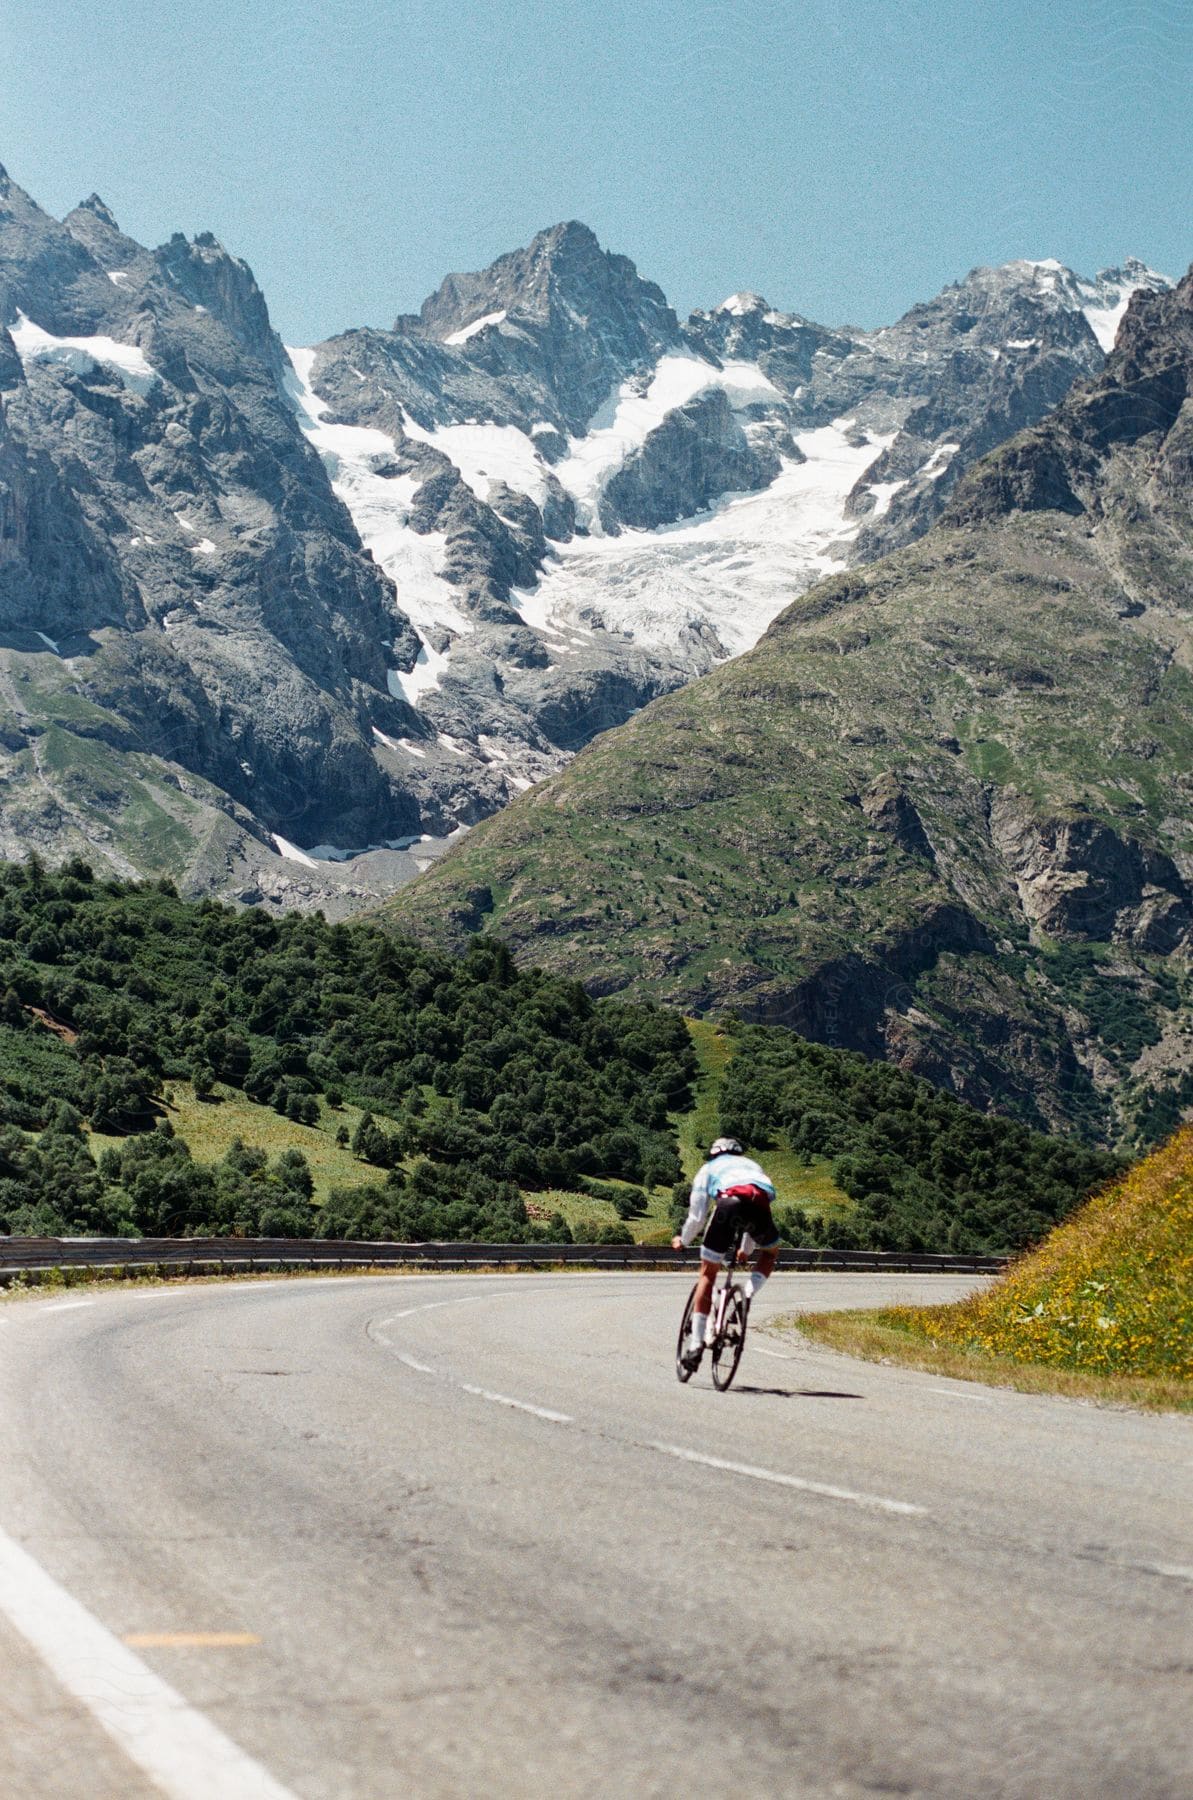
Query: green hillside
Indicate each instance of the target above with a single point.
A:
(461, 1081)
(1103, 1307)
(170, 1067)
(1110, 1291)
(940, 813)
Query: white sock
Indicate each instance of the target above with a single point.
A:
(755, 1282)
(699, 1328)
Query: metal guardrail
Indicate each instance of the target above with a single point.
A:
(229, 1255)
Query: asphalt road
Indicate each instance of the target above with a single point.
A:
(466, 1535)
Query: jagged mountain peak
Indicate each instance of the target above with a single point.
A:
(1137, 399)
(100, 209)
(561, 279)
(745, 302)
(213, 280)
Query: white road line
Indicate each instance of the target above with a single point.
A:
(779, 1355)
(411, 1362)
(792, 1481)
(1177, 1571)
(428, 1306)
(66, 1305)
(955, 1394)
(187, 1756)
(540, 1412)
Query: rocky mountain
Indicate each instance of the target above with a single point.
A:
(281, 622)
(943, 812)
(584, 504)
(195, 647)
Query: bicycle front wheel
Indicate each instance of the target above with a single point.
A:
(731, 1341)
(682, 1372)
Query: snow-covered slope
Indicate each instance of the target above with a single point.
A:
(564, 558)
(1105, 299)
(723, 575)
(370, 590)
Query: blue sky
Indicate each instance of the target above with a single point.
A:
(843, 159)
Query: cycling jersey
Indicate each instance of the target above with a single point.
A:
(724, 1184)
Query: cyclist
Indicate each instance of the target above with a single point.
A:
(735, 1186)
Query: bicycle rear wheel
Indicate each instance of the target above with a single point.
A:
(731, 1341)
(682, 1373)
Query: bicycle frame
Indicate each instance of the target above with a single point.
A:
(724, 1286)
(726, 1331)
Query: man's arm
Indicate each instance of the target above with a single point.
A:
(697, 1213)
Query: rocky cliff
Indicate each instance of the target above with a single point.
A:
(196, 646)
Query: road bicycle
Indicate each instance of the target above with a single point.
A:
(726, 1337)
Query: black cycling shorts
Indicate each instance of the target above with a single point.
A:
(756, 1217)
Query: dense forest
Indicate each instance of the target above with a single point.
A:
(926, 1171)
(473, 1084)
(488, 1080)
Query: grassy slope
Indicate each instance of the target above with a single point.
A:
(210, 1126)
(78, 787)
(1104, 1307)
(812, 1188)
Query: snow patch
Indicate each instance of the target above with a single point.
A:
(1105, 299)
(83, 354)
(204, 547)
(469, 331)
(412, 684)
(406, 744)
(380, 506)
(635, 414)
(938, 462)
(292, 853)
(742, 304)
(531, 606)
(884, 492)
(49, 642)
(487, 455)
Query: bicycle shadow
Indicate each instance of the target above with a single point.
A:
(746, 1387)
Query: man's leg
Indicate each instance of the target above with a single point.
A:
(764, 1265)
(702, 1304)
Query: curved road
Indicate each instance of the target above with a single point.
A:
(465, 1535)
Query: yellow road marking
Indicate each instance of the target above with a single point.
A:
(190, 1640)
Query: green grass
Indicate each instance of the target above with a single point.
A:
(812, 1188)
(585, 1215)
(698, 1128)
(874, 1337)
(1102, 1309)
(210, 1126)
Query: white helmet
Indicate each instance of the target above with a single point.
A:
(725, 1147)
